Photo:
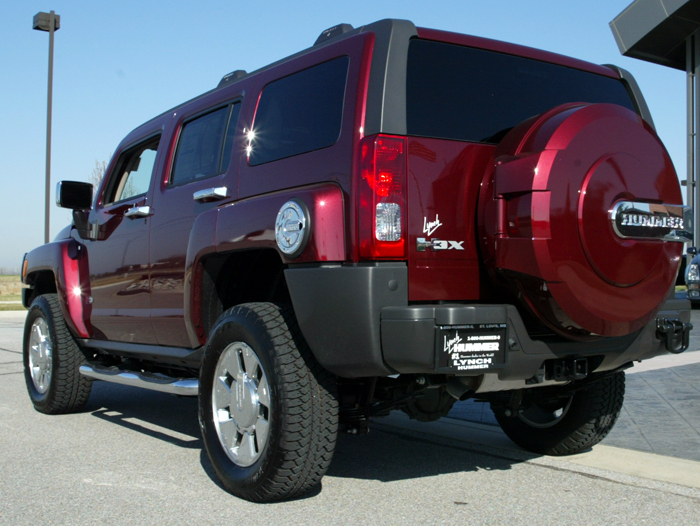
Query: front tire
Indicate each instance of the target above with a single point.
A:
(268, 411)
(52, 360)
(565, 424)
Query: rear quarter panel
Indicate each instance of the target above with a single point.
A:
(443, 186)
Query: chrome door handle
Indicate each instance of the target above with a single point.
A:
(211, 194)
(138, 211)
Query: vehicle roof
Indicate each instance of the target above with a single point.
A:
(405, 29)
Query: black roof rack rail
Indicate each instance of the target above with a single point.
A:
(333, 32)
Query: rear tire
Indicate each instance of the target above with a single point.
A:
(565, 425)
(52, 360)
(268, 411)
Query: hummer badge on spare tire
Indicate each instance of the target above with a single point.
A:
(291, 228)
(655, 221)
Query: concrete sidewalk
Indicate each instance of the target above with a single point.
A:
(602, 461)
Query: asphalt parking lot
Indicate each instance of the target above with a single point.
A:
(134, 457)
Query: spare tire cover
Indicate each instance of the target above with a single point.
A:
(546, 218)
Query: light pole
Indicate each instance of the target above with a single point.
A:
(48, 22)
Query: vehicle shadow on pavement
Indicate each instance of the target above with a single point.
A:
(387, 457)
(209, 470)
(163, 416)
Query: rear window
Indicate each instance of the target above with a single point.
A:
(300, 113)
(469, 94)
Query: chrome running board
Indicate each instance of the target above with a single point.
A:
(154, 382)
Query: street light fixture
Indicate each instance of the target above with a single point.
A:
(48, 22)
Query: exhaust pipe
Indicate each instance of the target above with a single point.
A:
(152, 381)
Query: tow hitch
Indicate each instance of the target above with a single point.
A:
(567, 369)
(674, 333)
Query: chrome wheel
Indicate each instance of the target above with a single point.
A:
(545, 414)
(241, 404)
(52, 360)
(40, 355)
(268, 411)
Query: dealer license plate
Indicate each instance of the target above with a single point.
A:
(471, 347)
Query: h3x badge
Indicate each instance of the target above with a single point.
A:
(423, 244)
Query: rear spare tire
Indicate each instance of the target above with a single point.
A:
(554, 210)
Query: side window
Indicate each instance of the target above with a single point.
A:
(299, 113)
(132, 176)
(205, 145)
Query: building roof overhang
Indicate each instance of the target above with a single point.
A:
(656, 30)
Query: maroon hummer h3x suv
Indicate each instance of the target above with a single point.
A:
(394, 218)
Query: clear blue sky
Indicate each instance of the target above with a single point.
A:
(117, 64)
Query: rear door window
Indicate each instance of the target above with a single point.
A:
(299, 113)
(205, 145)
(470, 94)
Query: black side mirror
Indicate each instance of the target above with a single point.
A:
(74, 195)
(692, 251)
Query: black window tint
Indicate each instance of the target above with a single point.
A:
(199, 148)
(300, 113)
(134, 169)
(463, 93)
(230, 134)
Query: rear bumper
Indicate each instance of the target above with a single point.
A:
(357, 321)
(409, 344)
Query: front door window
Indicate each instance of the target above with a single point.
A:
(133, 174)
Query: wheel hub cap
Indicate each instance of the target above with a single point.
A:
(40, 355)
(247, 407)
(241, 404)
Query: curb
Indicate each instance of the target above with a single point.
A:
(491, 440)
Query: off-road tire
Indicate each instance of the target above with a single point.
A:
(591, 415)
(303, 412)
(68, 391)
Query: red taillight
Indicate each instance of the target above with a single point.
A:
(382, 215)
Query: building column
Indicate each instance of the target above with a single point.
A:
(692, 61)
